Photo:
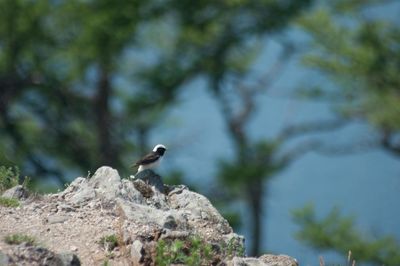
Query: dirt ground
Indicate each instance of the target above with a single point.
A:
(63, 228)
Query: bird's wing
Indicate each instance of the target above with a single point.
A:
(149, 158)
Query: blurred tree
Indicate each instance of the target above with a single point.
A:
(58, 78)
(245, 177)
(339, 233)
(215, 37)
(95, 77)
(360, 53)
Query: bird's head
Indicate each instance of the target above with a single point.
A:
(160, 149)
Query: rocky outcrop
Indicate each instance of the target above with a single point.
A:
(150, 221)
(26, 254)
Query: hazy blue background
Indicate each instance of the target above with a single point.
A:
(365, 184)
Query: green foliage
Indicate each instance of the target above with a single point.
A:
(192, 251)
(256, 163)
(9, 177)
(109, 242)
(340, 234)
(234, 248)
(96, 77)
(359, 55)
(9, 202)
(16, 239)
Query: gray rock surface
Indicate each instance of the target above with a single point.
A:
(264, 260)
(139, 212)
(24, 254)
(17, 192)
(152, 179)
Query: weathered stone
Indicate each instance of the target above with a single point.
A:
(137, 252)
(237, 261)
(264, 260)
(143, 188)
(69, 259)
(169, 222)
(17, 192)
(31, 255)
(4, 259)
(279, 260)
(54, 219)
(151, 178)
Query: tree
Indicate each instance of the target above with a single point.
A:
(57, 79)
(89, 118)
(340, 234)
(213, 37)
(360, 54)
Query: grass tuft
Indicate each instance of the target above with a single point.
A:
(16, 239)
(9, 202)
(109, 242)
(193, 251)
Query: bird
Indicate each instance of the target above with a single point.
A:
(152, 159)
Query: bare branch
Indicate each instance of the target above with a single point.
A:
(311, 127)
(276, 70)
(322, 148)
(299, 151)
(389, 144)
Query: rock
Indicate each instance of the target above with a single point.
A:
(169, 222)
(279, 260)
(69, 259)
(137, 252)
(4, 259)
(17, 192)
(264, 260)
(106, 183)
(143, 188)
(151, 178)
(78, 192)
(54, 219)
(137, 213)
(31, 255)
(236, 261)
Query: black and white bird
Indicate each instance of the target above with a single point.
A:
(152, 159)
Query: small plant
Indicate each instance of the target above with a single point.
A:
(16, 239)
(234, 248)
(109, 242)
(9, 202)
(9, 177)
(350, 260)
(190, 252)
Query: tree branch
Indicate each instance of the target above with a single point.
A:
(322, 148)
(389, 144)
(311, 127)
